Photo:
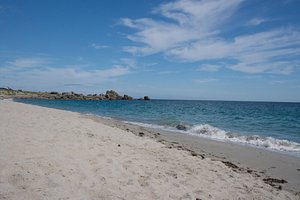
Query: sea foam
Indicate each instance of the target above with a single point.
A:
(206, 130)
(211, 132)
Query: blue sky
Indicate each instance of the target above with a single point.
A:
(184, 49)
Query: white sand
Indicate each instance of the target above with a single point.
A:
(52, 154)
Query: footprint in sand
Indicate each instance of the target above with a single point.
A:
(93, 162)
(143, 181)
(17, 180)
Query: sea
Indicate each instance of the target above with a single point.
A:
(269, 125)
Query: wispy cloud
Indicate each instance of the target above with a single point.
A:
(257, 21)
(85, 76)
(46, 76)
(192, 31)
(205, 80)
(190, 21)
(129, 62)
(28, 62)
(273, 51)
(209, 68)
(98, 46)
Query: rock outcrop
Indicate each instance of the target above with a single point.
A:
(126, 97)
(146, 98)
(112, 95)
(109, 95)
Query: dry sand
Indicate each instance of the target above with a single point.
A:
(53, 154)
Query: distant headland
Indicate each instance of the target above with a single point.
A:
(109, 95)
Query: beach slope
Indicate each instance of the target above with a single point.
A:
(53, 154)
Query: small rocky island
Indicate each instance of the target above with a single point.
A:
(109, 95)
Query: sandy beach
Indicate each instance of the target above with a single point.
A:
(54, 154)
(259, 162)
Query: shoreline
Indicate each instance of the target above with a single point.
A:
(176, 131)
(259, 162)
(239, 132)
(68, 149)
(259, 139)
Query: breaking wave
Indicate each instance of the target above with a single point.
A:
(206, 130)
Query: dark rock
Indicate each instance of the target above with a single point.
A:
(126, 97)
(112, 95)
(230, 164)
(78, 95)
(156, 135)
(67, 93)
(146, 98)
(179, 147)
(181, 127)
(161, 141)
(141, 134)
(274, 180)
(194, 154)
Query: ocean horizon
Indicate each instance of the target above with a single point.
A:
(269, 125)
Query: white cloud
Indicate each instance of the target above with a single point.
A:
(129, 62)
(28, 62)
(209, 68)
(192, 20)
(53, 77)
(83, 75)
(192, 31)
(272, 51)
(97, 46)
(257, 21)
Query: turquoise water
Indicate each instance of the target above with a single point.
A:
(275, 126)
